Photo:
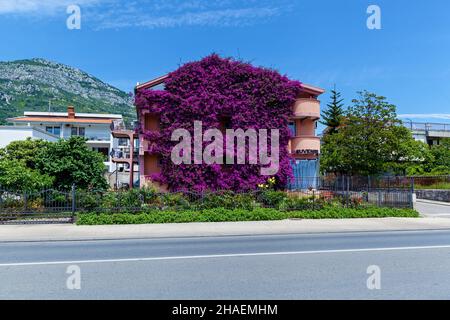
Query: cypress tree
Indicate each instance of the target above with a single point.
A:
(332, 116)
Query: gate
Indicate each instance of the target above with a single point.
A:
(46, 206)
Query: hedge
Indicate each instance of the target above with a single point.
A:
(221, 215)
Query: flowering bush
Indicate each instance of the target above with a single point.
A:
(211, 90)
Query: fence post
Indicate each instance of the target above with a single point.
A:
(73, 202)
(379, 198)
(348, 191)
(411, 198)
(314, 199)
(25, 200)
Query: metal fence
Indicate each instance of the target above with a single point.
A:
(396, 192)
(351, 183)
(432, 182)
(53, 206)
(44, 206)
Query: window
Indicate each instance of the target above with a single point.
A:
(123, 142)
(77, 131)
(293, 128)
(53, 130)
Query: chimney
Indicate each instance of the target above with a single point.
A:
(71, 112)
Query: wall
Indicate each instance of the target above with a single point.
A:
(10, 134)
(436, 195)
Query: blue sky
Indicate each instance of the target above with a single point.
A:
(320, 42)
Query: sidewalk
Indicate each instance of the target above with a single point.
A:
(64, 232)
(440, 203)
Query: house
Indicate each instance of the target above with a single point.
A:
(96, 128)
(9, 134)
(303, 147)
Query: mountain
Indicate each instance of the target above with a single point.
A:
(28, 85)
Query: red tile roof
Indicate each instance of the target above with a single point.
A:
(61, 119)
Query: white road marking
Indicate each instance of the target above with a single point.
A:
(233, 255)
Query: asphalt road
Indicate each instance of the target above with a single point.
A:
(412, 265)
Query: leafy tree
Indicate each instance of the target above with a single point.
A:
(441, 154)
(71, 162)
(24, 150)
(332, 117)
(371, 140)
(437, 163)
(15, 176)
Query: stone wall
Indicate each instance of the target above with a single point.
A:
(436, 195)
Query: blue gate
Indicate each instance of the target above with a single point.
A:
(306, 175)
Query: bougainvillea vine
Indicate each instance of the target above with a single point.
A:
(219, 92)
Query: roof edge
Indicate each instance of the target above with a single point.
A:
(151, 83)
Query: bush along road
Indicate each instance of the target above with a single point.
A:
(222, 215)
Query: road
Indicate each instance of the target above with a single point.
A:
(433, 209)
(413, 265)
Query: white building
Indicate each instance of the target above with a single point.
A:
(96, 128)
(9, 134)
(430, 133)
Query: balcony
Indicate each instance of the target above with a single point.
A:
(119, 130)
(103, 139)
(118, 125)
(305, 145)
(306, 108)
(123, 155)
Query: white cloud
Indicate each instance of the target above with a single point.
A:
(40, 7)
(114, 14)
(442, 116)
(225, 17)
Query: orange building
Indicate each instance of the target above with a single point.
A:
(304, 146)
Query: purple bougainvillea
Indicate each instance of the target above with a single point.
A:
(210, 91)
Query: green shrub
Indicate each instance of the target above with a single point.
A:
(221, 214)
(173, 201)
(89, 201)
(306, 203)
(271, 198)
(226, 200)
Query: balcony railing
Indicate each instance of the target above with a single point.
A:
(117, 125)
(306, 108)
(104, 138)
(422, 126)
(305, 145)
(123, 154)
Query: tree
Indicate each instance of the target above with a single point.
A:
(333, 115)
(371, 140)
(24, 151)
(16, 176)
(437, 162)
(71, 162)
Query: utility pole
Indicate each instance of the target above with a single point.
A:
(50, 104)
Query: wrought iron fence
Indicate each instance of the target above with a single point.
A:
(44, 206)
(432, 182)
(351, 183)
(53, 206)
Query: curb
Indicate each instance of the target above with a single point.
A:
(445, 204)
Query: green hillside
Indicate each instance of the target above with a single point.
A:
(28, 85)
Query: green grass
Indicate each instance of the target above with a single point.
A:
(221, 215)
(435, 186)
